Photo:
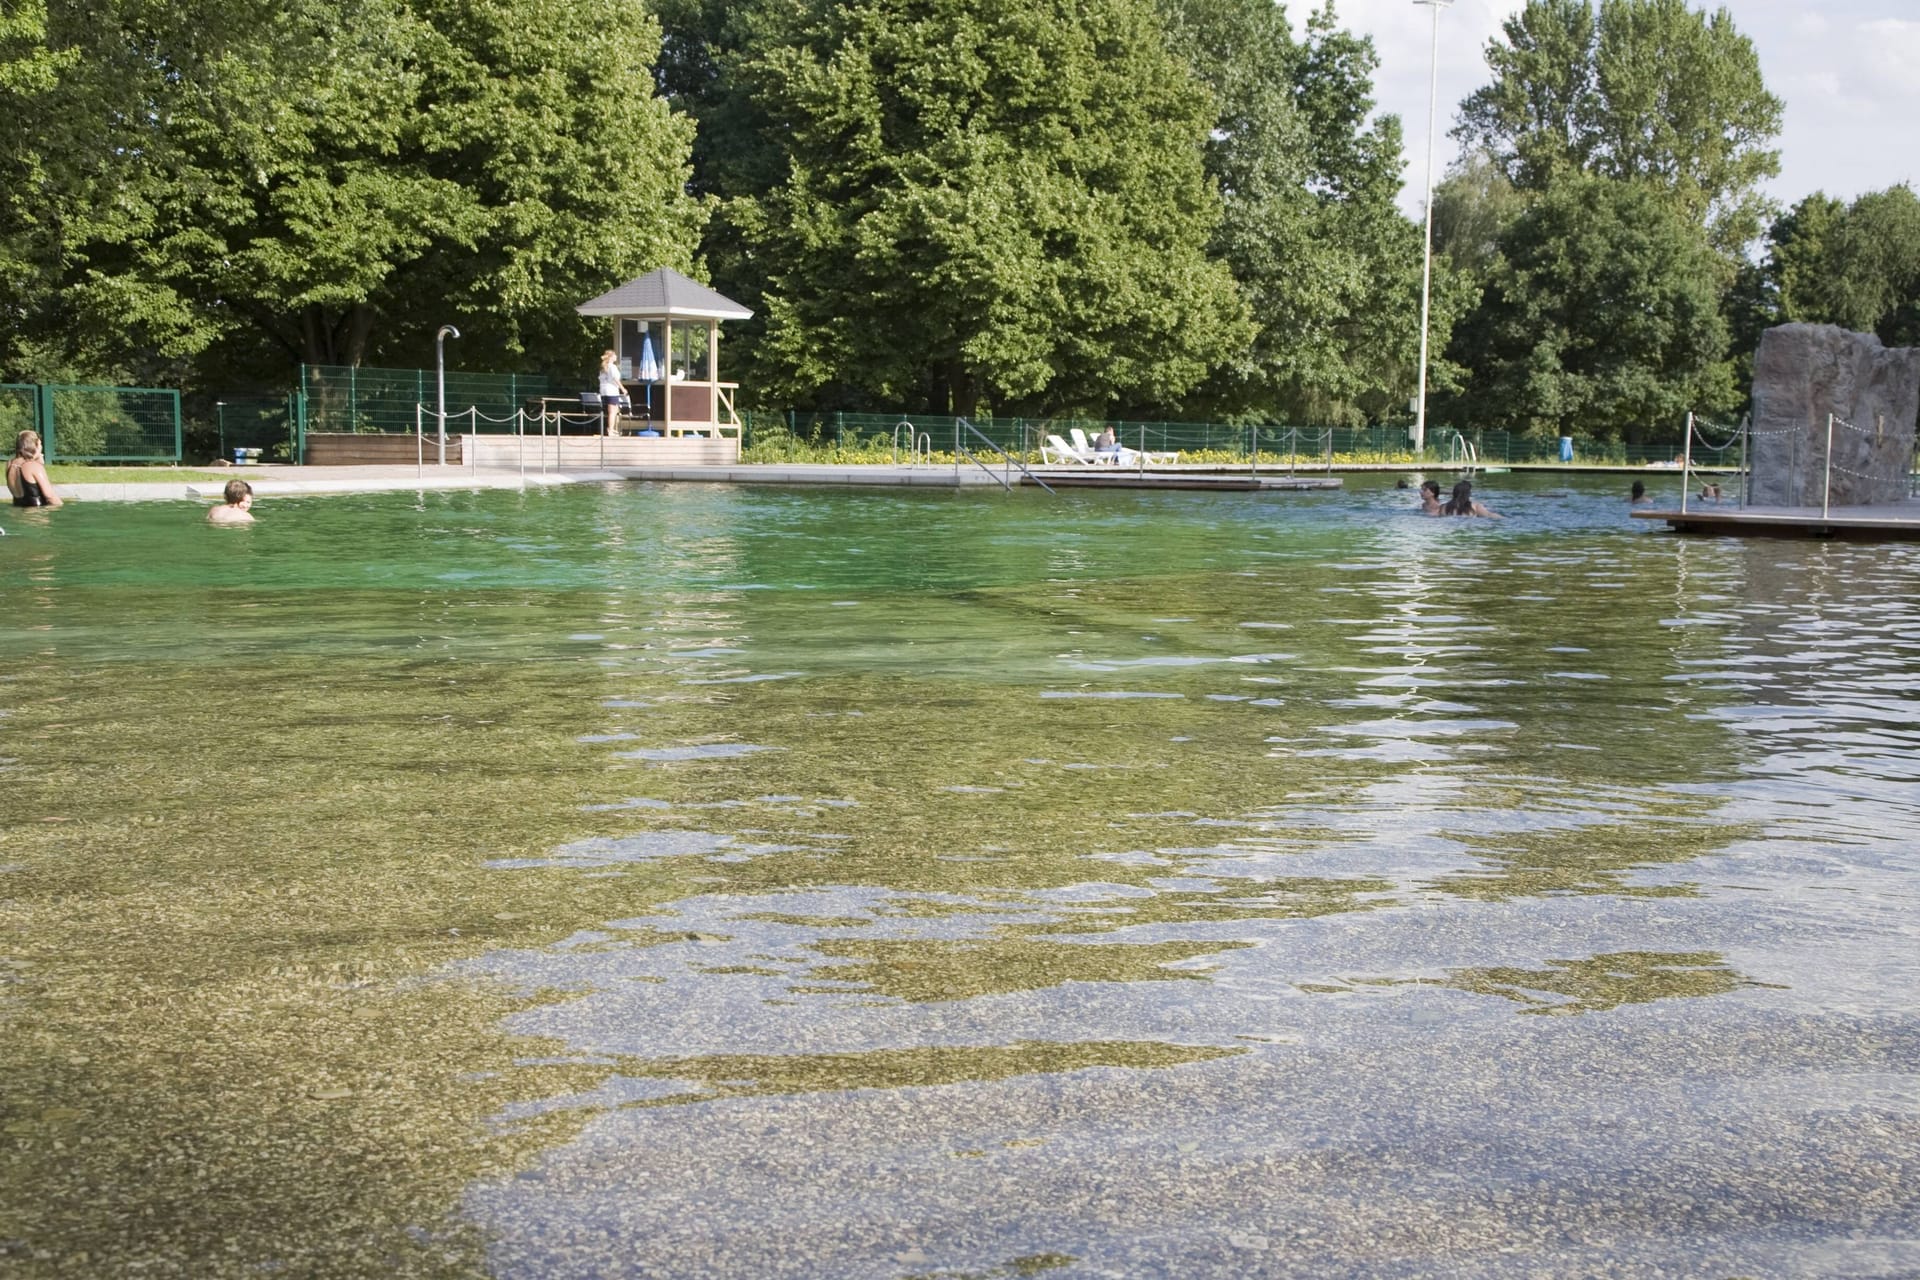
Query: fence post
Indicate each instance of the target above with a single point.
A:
(177, 442)
(1686, 466)
(43, 409)
(1826, 484)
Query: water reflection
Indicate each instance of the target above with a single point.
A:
(1467, 749)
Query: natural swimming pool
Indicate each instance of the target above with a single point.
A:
(684, 880)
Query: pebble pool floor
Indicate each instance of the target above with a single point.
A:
(1112, 884)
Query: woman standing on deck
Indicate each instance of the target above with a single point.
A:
(27, 474)
(612, 390)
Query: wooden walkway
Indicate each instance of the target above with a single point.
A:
(1892, 521)
(1125, 478)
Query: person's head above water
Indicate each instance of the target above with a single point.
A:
(1461, 503)
(1431, 487)
(1639, 490)
(26, 445)
(237, 492)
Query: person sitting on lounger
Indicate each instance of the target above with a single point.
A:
(1106, 441)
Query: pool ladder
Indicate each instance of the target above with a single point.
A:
(1463, 453)
(919, 447)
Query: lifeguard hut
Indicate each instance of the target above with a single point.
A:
(666, 336)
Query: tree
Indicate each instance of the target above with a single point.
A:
(1601, 316)
(1310, 228)
(1854, 265)
(986, 203)
(1648, 90)
(329, 180)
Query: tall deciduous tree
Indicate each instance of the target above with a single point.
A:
(1649, 90)
(329, 180)
(1601, 317)
(1828, 262)
(1307, 180)
(987, 203)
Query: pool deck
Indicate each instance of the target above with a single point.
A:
(291, 482)
(1892, 521)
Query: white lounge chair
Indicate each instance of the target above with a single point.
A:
(1110, 458)
(1056, 451)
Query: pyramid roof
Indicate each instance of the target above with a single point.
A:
(664, 293)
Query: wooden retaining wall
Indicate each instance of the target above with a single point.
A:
(349, 450)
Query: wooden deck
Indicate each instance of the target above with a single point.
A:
(1893, 521)
(1134, 478)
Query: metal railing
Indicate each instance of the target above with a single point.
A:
(919, 447)
(961, 450)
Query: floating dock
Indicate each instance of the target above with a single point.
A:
(1123, 478)
(1884, 522)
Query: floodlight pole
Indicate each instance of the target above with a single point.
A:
(440, 367)
(1426, 268)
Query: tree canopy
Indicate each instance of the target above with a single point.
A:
(986, 203)
(328, 180)
(1601, 317)
(1649, 90)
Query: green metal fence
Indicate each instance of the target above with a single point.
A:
(1301, 443)
(19, 411)
(270, 424)
(108, 424)
(344, 399)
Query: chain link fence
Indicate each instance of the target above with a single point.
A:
(346, 400)
(1210, 441)
(94, 424)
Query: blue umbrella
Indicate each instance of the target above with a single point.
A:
(649, 368)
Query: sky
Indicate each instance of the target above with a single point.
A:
(1848, 71)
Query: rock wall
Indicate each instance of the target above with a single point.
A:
(1804, 372)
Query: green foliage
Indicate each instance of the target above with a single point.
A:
(1644, 90)
(1601, 318)
(1857, 266)
(985, 202)
(330, 180)
(1308, 180)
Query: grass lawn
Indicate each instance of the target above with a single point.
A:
(81, 473)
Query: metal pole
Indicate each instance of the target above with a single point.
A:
(520, 430)
(419, 444)
(1686, 469)
(440, 363)
(1426, 268)
(1746, 479)
(1826, 485)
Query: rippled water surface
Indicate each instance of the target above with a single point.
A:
(1114, 884)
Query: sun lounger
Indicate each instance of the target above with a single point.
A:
(1056, 451)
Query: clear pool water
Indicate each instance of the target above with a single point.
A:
(1117, 884)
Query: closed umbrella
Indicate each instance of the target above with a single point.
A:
(649, 369)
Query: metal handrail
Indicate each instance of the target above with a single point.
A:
(960, 451)
(918, 446)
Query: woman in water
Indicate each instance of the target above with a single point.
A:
(27, 474)
(1462, 503)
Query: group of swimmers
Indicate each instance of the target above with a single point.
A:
(1461, 503)
(29, 485)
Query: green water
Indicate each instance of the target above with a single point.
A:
(688, 880)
